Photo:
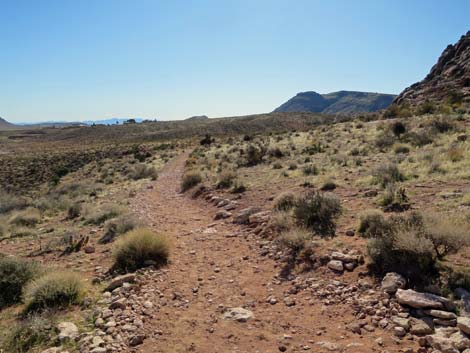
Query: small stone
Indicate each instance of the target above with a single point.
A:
(392, 282)
(335, 265)
(238, 314)
(68, 331)
(399, 331)
(289, 301)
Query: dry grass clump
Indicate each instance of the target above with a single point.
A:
(226, 179)
(143, 171)
(388, 173)
(328, 185)
(318, 212)
(372, 224)
(190, 180)
(139, 248)
(54, 290)
(101, 214)
(294, 239)
(116, 227)
(285, 201)
(33, 331)
(401, 148)
(26, 218)
(455, 154)
(394, 198)
(10, 202)
(14, 274)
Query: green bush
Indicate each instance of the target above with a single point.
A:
(139, 248)
(284, 201)
(254, 154)
(318, 211)
(372, 224)
(14, 274)
(54, 290)
(29, 333)
(190, 180)
(460, 279)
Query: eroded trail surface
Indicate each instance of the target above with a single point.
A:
(217, 265)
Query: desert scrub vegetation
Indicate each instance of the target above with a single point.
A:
(33, 331)
(99, 215)
(386, 174)
(14, 274)
(412, 244)
(54, 290)
(285, 201)
(190, 179)
(394, 198)
(10, 202)
(139, 248)
(318, 211)
(118, 226)
(226, 179)
(26, 218)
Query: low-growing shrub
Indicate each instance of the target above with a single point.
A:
(294, 239)
(254, 155)
(100, 215)
(460, 279)
(31, 332)
(26, 218)
(398, 128)
(74, 211)
(394, 199)
(226, 179)
(372, 224)
(318, 211)
(387, 173)
(139, 248)
(14, 274)
(143, 171)
(10, 202)
(118, 226)
(284, 201)
(54, 290)
(455, 154)
(401, 148)
(310, 170)
(328, 185)
(238, 187)
(190, 180)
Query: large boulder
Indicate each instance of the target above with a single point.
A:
(419, 300)
(392, 282)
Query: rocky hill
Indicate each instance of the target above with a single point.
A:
(337, 102)
(447, 82)
(5, 125)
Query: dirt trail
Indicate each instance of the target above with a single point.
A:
(217, 265)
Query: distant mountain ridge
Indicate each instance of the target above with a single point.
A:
(447, 82)
(337, 102)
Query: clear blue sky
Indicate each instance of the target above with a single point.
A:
(96, 59)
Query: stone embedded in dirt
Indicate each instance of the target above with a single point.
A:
(335, 265)
(119, 281)
(419, 300)
(68, 331)
(440, 314)
(289, 301)
(238, 314)
(259, 217)
(443, 322)
(392, 282)
(371, 193)
(399, 331)
(463, 324)
(89, 249)
(243, 216)
(350, 233)
(222, 215)
(329, 346)
(118, 304)
(136, 340)
(53, 350)
(354, 327)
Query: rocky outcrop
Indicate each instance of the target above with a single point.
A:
(448, 80)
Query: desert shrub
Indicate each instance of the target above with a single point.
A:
(387, 173)
(100, 215)
(54, 290)
(372, 224)
(313, 149)
(118, 226)
(292, 166)
(318, 212)
(284, 201)
(460, 279)
(226, 179)
(277, 165)
(33, 331)
(328, 185)
(190, 180)
(455, 154)
(448, 235)
(14, 274)
(385, 140)
(398, 128)
(294, 239)
(426, 108)
(238, 187)
(139, 248)
(442, 124)
(254, 154)
(26, 218)
(419, 137)
(401, 148)
(10, 202)
(310, 170)
(281, 221)
(142, 171)
(394, 198)
(275, 152)
(74, 210)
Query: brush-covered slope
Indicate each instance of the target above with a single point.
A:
(337, 102)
